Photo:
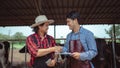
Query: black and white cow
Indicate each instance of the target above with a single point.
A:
(4, 53)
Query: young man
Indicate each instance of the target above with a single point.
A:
(80, 43)
(40, 45)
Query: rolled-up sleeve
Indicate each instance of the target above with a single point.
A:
(32, 47)
(92, 49)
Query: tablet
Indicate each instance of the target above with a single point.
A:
(64, 53)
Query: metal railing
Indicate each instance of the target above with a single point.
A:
(12, 47)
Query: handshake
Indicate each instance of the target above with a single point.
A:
(57, 49)
(51, 62)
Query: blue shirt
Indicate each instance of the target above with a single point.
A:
(87, 39)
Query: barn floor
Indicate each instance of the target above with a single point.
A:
(18, 60)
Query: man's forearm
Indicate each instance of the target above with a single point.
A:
(42, 52)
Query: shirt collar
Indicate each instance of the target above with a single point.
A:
(81, 29)
(40, 37)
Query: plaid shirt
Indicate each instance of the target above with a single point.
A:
(33, 47)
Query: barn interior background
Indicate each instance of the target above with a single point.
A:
(23, 13)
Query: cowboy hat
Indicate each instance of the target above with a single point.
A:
(40, 20)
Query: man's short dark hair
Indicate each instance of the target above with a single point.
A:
(74, 15)
(35, 29)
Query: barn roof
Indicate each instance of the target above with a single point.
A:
(23, 12)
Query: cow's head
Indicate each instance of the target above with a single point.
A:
(2, 49)
(4, 53)
(1, 45)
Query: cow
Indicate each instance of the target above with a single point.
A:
(104, 59)
(100, 60)
(117, 53)
(4, 53)
(22, 50)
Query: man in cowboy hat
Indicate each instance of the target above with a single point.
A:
(40, 45)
